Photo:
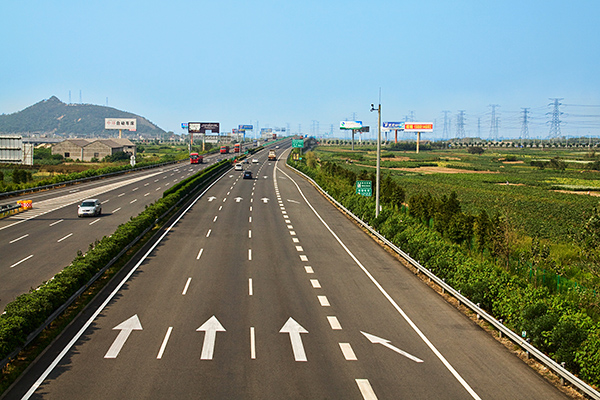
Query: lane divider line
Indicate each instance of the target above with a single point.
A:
(334, 323)
(163, 346)
(187, 285)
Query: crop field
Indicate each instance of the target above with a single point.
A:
(546, 203)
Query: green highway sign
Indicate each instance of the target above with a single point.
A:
(364, 188)
(298, 143)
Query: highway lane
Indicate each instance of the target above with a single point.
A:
(253, 254)
(37, 244)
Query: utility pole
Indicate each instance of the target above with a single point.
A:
(555, 122)
(525, 125)
(460, 124)
(446, 134)
(378, 109)
(494, 123)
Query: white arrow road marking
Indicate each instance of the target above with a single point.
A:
(126, 327)
(386, 343)
(295, 329)
(211, 198)
(211, 327)
(238, 199)
(264, 200)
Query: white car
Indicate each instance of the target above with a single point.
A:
(255, 161)
(90, 207)
(239, 167)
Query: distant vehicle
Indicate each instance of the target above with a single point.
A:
(90, 207)
(247, 174)
(277, 146)
(237, 147)
(224, 149)
(196, 159)
(238, 167)
(272, 155)
(255, 161)
(274, 136)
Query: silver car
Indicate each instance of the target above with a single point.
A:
(90, 207)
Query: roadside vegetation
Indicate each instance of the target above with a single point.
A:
(515, 230)
(51, 168)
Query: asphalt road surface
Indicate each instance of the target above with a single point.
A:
(37, 244)
(263, 290)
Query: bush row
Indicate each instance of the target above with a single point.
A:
(29, 311)
(559, 324)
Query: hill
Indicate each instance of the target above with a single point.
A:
(52, 116)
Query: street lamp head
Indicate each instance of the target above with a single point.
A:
(372, 107)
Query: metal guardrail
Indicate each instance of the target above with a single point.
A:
(558, 369)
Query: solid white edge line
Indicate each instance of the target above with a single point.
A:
(365, 389)
(187, 285)
(439, 355)
(252, 344)
(163, 346)
(23, 260)
(75, 338)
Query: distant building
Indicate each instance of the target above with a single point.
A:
(86, 149)
(14, 151)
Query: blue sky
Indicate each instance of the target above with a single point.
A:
(298, 62)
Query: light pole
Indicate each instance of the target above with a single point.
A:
(378, 109)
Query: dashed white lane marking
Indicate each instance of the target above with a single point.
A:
(293, 233)
(63, 238)
(324, 301)
(250, 208)
(115, 210)
(187, 285)
(348, 352)
(295, 240)
(365, 389)
(309, 270)
(23, 260)
(93, 222)
(250, 289)
(215, 219)
(199, 254)
(56, 222)
(249, 254)
(134, 189)
(225, 199)
(252, 344)
(334, 323)
(105, 201)
(315, 283)
(303, 257)
(299, 248)
(287, 221)
(132, 201)
(122, 194)
(208, 233)
(250, 219)
(249, 234)
(220, 208)
(19, 238)
(158, 188)
(147, 194)
(290, 227)
(163, 346)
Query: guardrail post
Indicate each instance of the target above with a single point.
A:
(443, 289)
(478, 306)
(562, 379)
(499, 332)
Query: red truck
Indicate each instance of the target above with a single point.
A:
(195, 158)
(224, 149)
(237, 147)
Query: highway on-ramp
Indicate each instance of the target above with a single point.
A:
(263, 290)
